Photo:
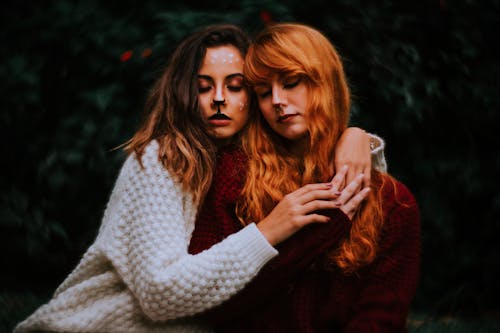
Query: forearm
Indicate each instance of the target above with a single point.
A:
(145, 235)
(295, 254)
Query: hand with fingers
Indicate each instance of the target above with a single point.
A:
(300, 208)
(296, 210)
(353, 150)
(352, 195)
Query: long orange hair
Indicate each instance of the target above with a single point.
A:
(299, 50)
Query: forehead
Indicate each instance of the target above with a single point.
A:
(225, 59)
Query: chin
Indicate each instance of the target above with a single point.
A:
(223, 135)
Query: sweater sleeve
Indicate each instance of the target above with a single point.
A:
(145, 234)
(295, 254)
(383, 303)
(377, 145)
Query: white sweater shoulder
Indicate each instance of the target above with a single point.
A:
(138, 276)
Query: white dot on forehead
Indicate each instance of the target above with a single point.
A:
(223, 58)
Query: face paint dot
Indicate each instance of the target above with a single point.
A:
(242, 106)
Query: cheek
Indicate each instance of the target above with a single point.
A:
(239, 107)
(243, 107)
(204, 104)
(239, 102)
(242, 115)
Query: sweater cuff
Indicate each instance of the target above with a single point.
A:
(376, 143)
(378, 157)
(255, 245)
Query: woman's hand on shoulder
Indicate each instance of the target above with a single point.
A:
(353, 150)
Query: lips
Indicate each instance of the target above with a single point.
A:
(286, 117)
(219, 116)
(219, 119)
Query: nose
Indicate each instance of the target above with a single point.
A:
(219, 96)
(278, 97)
(218, 99)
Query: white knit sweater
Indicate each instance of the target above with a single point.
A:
(138, 276)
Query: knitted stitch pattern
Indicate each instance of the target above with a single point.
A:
(375, 299)
(289, 294)
(138, 276)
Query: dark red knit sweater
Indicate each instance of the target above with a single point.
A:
(292, 293)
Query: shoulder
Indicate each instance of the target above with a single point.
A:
(149, 156)
(145, 161)
(396, 194)
(145, 175)
(400, 208)
(400, 233)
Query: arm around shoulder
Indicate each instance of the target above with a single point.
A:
(146, 231)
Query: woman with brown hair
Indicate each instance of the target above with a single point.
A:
(138, 276)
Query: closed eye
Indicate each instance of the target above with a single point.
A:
(202, 90)
(234, 82)
(291, 84)
(235, 88)
(205, 84)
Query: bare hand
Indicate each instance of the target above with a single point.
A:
(353, 150)
(350, 196)
(294, 211)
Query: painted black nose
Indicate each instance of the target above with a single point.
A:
(218, 104)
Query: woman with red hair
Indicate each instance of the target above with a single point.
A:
(137, 276)
(366, 281)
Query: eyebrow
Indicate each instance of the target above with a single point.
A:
(229, 77)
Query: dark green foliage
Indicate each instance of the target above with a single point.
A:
(423, 75)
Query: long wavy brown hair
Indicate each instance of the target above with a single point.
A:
(172, 111)
(299, 50)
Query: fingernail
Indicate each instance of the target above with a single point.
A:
(337, 192)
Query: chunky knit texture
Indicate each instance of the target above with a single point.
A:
(281, 270)
(138, 276)
(295, 293)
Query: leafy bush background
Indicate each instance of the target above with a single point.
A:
(423, 73)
